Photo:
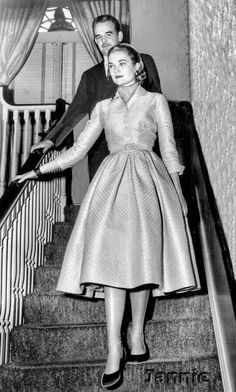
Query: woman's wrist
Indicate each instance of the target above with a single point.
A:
(38, 172)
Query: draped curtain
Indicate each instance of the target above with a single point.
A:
(83, 13)
(19, 24)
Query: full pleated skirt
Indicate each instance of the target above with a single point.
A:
(130, 231)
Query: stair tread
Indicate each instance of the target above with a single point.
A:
(73, 376)
(57, 308)
(166, 339)
(103, 324)
(95, 363)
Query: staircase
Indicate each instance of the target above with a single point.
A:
(62, 345)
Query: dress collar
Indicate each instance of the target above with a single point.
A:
(140, 91)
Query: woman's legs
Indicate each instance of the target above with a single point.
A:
(114, 306)
(139, 301)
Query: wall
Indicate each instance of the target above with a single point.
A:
(160, 28)
(212, 27)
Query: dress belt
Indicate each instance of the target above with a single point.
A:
(130, 147)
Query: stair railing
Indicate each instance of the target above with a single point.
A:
(27, 211)
(27, 214)
(221, 284)
(21, 128)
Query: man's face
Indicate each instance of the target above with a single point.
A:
(106, 36)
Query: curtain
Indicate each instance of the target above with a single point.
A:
(83, 13)
(19, 24)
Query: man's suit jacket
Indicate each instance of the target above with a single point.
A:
(94, 87)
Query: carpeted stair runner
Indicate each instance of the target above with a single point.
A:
(62, 345)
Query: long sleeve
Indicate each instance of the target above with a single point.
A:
(86, 139)
(166, 139)
(79, 107)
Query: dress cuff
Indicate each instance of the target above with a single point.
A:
(176, 169)
(50, 167)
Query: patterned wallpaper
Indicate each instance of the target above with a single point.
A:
(212, 26)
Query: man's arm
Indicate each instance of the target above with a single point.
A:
(75, 112)
(79, 107)
(152, 82)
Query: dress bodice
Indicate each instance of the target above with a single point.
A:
(128, 126)
(131, 125)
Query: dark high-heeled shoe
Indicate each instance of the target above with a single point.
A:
(139, 357)
(114, 380)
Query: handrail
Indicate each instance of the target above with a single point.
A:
(218, 267)
(19, 107)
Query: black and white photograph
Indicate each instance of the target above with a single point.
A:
(117, 195)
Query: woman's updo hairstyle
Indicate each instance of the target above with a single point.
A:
(135, 57)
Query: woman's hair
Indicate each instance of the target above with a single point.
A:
(135, 57)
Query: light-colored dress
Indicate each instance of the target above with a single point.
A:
(130, 230)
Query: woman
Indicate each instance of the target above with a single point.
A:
(130, 234)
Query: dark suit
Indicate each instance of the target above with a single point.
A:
(94, 87)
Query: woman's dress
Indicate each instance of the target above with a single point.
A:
(130, 230)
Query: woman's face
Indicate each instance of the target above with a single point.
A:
(121, 68)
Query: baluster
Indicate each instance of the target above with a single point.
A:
(41, 219)
(14, 255)
(31, 251)
(21, 275)
(18, 278)
(15, 144)
(47, 118)
(59, 212)
(3, 296)
(5, 142)
(6, 292)
(37, 126)
(26, 137)
(27, 242)
(63, 193)
(55, 191)
(50, 209)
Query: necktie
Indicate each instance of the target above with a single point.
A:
(106, 64)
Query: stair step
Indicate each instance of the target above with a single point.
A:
(65, 309)
(62, 309)
(54, 252)
(194, 375)
(62, 231)
(71, 213)
(167, 340)
(45, 279)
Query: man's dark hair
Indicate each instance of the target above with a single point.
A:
(107, 18)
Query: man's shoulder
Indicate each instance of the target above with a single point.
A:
(97, 68)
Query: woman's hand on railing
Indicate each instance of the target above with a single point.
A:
(45, 144)
(31, 175)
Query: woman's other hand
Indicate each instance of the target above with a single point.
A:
(26, 176)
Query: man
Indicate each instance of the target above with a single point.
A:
(95, 86)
